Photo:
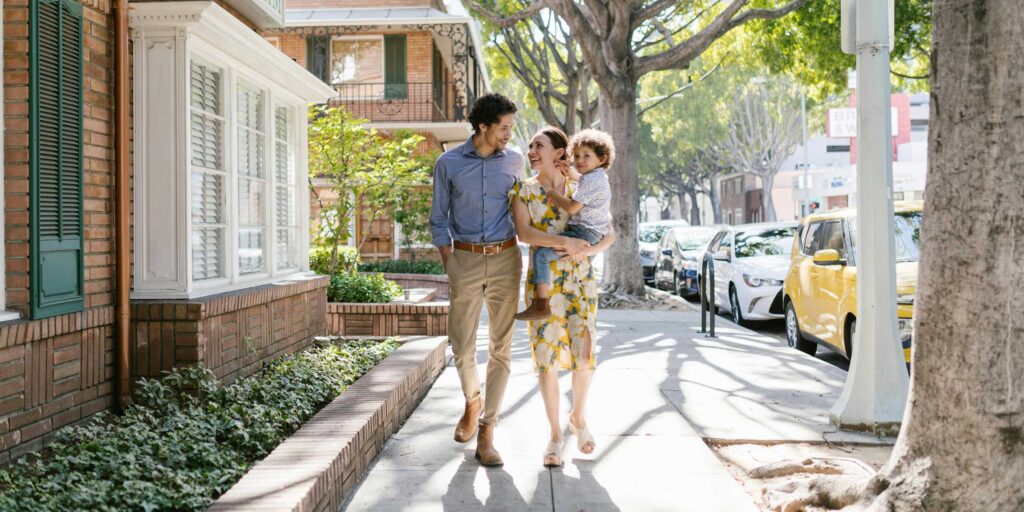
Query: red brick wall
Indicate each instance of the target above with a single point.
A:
(58, 370)
(232, 333)
(386, 319)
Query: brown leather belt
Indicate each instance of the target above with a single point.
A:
(485, 249)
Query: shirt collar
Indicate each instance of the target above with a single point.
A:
(470, 149)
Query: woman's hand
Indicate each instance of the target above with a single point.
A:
(575, 246)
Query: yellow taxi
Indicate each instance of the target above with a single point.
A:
(820, 289)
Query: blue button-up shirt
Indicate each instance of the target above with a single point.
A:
(471, 195)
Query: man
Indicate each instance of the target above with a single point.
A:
(472, 228)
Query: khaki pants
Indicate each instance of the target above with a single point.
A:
(474, 278)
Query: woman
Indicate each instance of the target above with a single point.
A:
(565, 340)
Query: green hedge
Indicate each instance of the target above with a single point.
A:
(320, 259)
(186, 440)
(362, 288)
(403, 267)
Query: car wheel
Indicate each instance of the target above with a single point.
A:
(793, 336)
(851, 329)
(734, 308)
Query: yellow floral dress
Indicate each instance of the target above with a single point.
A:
(557, 343)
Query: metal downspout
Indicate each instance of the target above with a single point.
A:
(122, 176)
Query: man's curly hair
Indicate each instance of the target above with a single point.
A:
(488, 109)
(596, 140)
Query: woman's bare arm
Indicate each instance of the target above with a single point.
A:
(533, 236)
(595, 249)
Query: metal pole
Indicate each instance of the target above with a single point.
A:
(711, 294)
(875, 393)
(702, 288)
(807, 184)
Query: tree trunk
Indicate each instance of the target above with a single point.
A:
(622, 262)
(694, 210)
(716, 199)
(767, 185)
(962, 444)
(681, 198)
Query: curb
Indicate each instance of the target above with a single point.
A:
(319, 465)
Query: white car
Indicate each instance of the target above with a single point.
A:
(751, 262)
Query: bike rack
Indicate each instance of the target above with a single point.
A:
(707, 300)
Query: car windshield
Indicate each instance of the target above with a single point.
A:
(908, 236)
(694, 239)
(652, 234)
(766, 242)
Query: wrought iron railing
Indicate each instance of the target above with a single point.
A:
(402, 102)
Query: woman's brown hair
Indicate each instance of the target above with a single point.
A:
(558, 138)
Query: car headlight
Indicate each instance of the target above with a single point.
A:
(755, 282)
(906, 330)
(905, 298)
(690, 263)
(646, 253)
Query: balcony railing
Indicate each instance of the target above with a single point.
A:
(264, 13)
(405, 102)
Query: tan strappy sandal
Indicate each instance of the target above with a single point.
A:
(553, 454)
(583, 436)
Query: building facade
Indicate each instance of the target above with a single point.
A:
(210, 266)
(400, 64)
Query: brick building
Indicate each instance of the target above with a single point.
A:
(401, 64)
(161, 225)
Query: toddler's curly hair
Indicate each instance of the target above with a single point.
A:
(596, 140)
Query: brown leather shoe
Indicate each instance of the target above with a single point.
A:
(467, 426)
(538, 310)
(485, 452)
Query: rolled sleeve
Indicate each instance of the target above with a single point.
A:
(440, 207)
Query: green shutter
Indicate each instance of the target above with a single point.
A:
(395, 86)
(317, 51)
(56, 157)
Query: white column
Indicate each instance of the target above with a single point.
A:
(875, 393)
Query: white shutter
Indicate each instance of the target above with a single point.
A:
(285, 211)
(207, 149)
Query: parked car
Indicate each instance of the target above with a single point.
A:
(678, 256)
(820, 295)
(751, 262)
(649, 234)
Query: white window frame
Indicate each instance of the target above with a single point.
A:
(167, 36)
(330, 56)
(297, 185)
(234, 75)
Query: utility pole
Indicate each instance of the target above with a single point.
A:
(875, 395)
(806, 209)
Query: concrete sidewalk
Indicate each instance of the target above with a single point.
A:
(660, 390)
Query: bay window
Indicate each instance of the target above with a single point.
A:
(219, 147)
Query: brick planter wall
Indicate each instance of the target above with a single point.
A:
(231, 333)
(319, 465)
(430, 319)
(53, 372)
(437, 282)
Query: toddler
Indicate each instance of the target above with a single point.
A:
(592, 153)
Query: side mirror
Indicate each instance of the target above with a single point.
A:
(828, 257)
(721, 256)
(666, 252)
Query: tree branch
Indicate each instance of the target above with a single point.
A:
(909, 77)
(503, 20)
(730, 18)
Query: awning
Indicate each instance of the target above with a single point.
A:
(369, 16)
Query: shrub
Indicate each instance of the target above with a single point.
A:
(186, 440)
(403, 267)
(363, 288)
(320, 259)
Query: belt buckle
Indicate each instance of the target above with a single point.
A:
(488, 250)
